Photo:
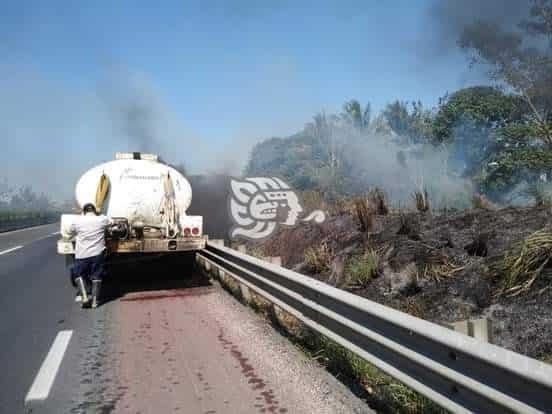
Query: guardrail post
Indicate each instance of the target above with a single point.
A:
(461, 327)
(277, 260)
(481, 329)
(217, 242)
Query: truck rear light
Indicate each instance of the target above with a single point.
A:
(187, 231)
(195, 231)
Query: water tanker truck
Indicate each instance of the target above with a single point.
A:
(146, 201)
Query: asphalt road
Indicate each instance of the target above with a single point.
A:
(165, 340)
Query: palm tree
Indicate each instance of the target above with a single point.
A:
(397, 116)
(358, 117)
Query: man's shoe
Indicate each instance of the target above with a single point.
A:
(78, 298)
(96, 288)
(82, 290)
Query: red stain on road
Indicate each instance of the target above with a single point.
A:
(170, 357)
(257, 383)
(167, 294)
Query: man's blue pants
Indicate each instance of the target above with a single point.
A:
(89, 268)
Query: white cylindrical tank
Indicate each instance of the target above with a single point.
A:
(136, 189)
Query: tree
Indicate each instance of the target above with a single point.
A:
(356, 115)
(27, 199)
(397, 116)
(522, 59)
(485, 107)
(519, 58)
(328, 138)
(415, 124)
(472, 123)
(420, 123)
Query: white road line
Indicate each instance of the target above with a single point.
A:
(44, 237)
(10, 250)
(49, 368)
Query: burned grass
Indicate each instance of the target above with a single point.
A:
(319, 258)
(379, 201)
(365, 214)
(421, 200)
(442, 267)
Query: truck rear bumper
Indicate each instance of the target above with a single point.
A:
(142, 246)
(156, 245)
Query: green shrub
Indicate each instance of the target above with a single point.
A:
(362, 269)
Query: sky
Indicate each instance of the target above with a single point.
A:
(199, 82)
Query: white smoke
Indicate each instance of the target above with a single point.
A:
(400, 169)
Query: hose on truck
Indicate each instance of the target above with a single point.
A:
(101, 192)
(168, 208)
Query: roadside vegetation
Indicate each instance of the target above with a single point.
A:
(24, 205)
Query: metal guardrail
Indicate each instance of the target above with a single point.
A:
(457, 372)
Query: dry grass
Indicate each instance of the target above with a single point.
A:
(520, 267)
(422, 201)
(260, 304)
(479, 201)
(438, 272)
(379, 201)
(319, 258)
(256, 251)
(365, 214)
(415, 308)
(314, 200)
(410, 225)
(434, 263)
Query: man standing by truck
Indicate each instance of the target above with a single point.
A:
(89, 269)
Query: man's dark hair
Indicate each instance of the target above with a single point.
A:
(89, 208)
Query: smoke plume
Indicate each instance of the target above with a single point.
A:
(448, 18)
(378, 160)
